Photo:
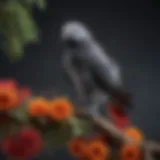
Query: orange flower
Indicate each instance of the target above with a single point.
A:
(9, 95)
(77, 147)
(134, 134)
(60, 109)
(130, 152)
(38, 107)
(8, 98)
(97, 150)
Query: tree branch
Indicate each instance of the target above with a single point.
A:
(151, 149)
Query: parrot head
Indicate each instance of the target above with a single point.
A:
(74, 34)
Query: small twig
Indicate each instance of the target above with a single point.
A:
(110, 129)
(147, 152)
(154, 148)
(107, 126)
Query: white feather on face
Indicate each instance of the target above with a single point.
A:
(75, 30)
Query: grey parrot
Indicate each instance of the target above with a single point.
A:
(94, 73)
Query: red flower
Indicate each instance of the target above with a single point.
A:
(118, 115)
(24, 93)
(8, 83)
(24, 144)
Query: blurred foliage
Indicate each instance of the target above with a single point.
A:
(23, 108)
(17, 25)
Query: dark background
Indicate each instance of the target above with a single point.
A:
(129, 30)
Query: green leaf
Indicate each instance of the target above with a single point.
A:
(79, 127)
(20, 114)
(41, 4)
(18, 27)
(13, 48)
(26, 24)
(76, 125)
(26, 3)
(59, 135)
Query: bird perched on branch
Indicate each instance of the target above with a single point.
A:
(94, 74)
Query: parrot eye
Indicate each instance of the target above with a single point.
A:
(71, 43)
